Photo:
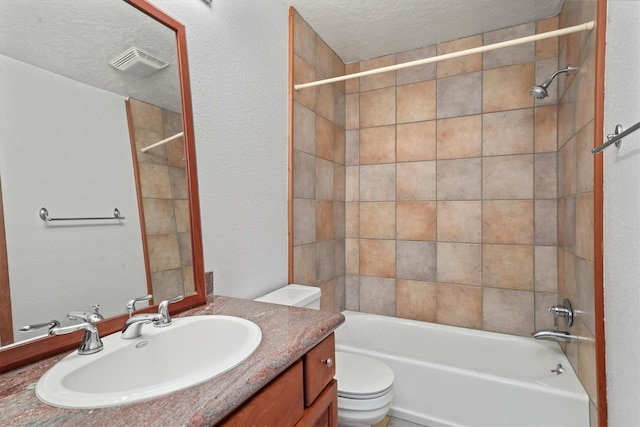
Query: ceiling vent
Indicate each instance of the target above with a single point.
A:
(138, 63)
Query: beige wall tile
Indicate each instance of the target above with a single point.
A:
(146, 116)
(547, 48)
(416, 300)
(352, 183)
(584, 226)
(186, 255)
(459, 137)
(159, 216)
(304, 39)
(416, 260)
(459, 306)
(183, 220)
(352, 292)
(507, 221)
(584, 159)
(416, 141)
(304, 73)
(381, 80)
(304, 264)
(567, 169)
(459, 263)
(546, 178)
(326, 102)
(339, 146)
(416, 102)
(155, 182)
(339, 183)
(304, 221)
(187, 279)
(352, 147)
(462, 65)
(508, 266)
(585, 303)
(508, 311)
(377, 220)
(508, 177)
(585, 96)
(304, 129)
(304, 175)
(352, 85)
(513, 54)
(507, 132)
(416, 221)
(546, 222)
(587, 361)
(378, 258)
(378, 107)
(546, 269)
(542, 302)
(324, 220)
(378, 183)
(416, 73)
(327, 295)
(164, 252)
(352, 107)
(325, 59)
(378, 145)
(352, 256)
(507, 88)
(352, 219)
(416, 180)
(144, 138)
(566, 116)
(325, 176)
(545, 128)
(378, 295)
(325, 261)
(325, 136)
(179, 187)
(460, 221)
(459, 179)
(459, 95)
(167, 284)
(175, 151)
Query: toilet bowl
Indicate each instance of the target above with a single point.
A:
(365, 389)
(365, 385)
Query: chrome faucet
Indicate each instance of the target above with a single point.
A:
(131, 305)
(133, 326)
(91, 342)
(551, 335)
(563, 310)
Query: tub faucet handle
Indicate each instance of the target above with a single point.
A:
(563, 310)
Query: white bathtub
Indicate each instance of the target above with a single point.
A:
(450, 376)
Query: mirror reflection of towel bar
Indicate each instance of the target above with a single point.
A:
(44, 215)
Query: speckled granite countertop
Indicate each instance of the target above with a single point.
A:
(287, 334)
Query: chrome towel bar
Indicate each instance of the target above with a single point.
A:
(44, 215)
(616, 138)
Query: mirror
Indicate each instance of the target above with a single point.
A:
(71, 129)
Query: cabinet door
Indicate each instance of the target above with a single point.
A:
(319, 368)
(278, 404)
(324, 411)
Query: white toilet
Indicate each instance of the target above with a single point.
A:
(365, 385)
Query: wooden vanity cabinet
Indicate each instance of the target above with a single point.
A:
(305, 395)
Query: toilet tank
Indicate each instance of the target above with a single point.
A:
(294, 295)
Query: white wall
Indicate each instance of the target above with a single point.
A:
(238, 67)
(65, 146)
(622, 215)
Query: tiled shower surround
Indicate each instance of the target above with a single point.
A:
(165, 200)
(459, 199)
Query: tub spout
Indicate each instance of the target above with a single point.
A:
(551, 335)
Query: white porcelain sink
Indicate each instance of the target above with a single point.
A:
(162, 360)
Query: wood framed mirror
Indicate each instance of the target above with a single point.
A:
(14, 353)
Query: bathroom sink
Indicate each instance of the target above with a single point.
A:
(162, 360)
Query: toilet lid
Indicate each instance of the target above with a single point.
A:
(361, 376)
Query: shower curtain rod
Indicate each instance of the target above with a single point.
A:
(587, 26)
(164, 141)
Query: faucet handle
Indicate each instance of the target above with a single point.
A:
(131, 305)
(163, 310)
(52, 324)
(565, 310)
(86, 316)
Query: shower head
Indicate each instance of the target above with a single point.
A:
(540, 91)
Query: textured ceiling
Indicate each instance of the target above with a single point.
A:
(78, 38)
(363, 29)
